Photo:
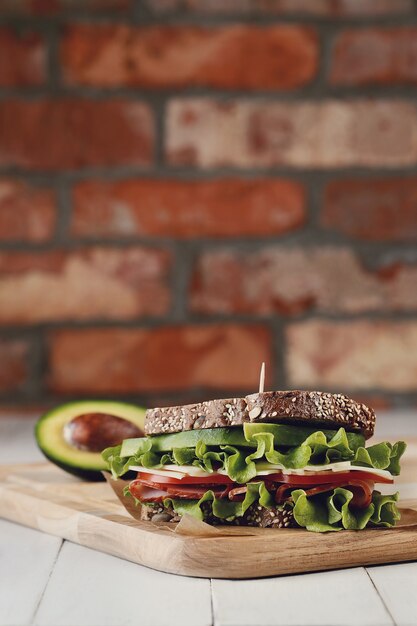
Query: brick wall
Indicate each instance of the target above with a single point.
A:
(189, 187)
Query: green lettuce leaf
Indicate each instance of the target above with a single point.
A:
(381, 456)
(318, 448)
(118, 465)
(386, 512)
(292, 436)
(324, 512)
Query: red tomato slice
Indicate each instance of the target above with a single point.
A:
(210, 479)
(295, 479)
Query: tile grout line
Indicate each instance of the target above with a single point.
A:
(35, 612)
(394, 621)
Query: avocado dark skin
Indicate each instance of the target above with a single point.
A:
(90, 475)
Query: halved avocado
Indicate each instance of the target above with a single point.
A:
(72, 435)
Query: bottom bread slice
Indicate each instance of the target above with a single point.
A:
(280, 516)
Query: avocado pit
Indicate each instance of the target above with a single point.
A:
(93, 432)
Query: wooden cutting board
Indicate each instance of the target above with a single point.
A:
(46, 498)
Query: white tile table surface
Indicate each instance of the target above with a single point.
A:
(45, 581)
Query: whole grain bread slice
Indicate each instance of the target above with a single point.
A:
(276, 516)
(292, 407)
(310, 408)
(210, 414)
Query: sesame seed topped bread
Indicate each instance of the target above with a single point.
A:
(294, 407)
(307, 407)
(210, 414)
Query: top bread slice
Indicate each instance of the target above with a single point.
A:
(309, 408)
(210, 414)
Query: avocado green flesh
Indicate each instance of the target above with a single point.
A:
(284, 435)
(49, 433)
(188, 439)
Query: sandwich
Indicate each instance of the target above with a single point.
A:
(277, 459)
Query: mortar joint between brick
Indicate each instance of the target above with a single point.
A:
(52, 62)
(64, 201)
(318, 90)
(185, 257)
(138, 14)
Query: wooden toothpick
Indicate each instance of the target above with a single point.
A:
(262, 379)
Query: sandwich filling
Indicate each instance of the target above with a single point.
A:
(322, 480)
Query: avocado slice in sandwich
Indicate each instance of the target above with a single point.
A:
(73, 435)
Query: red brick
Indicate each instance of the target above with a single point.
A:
(229, 57)
(22, 59)
(13, 364)
(51, 7)
(375, 55)
(325, 8)
(374, 210)
(332, 133)
(353, 355)
(185, 209)
(27, 213)
(159, 359)
(103, 283)
(72, 133)
(291, 280)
